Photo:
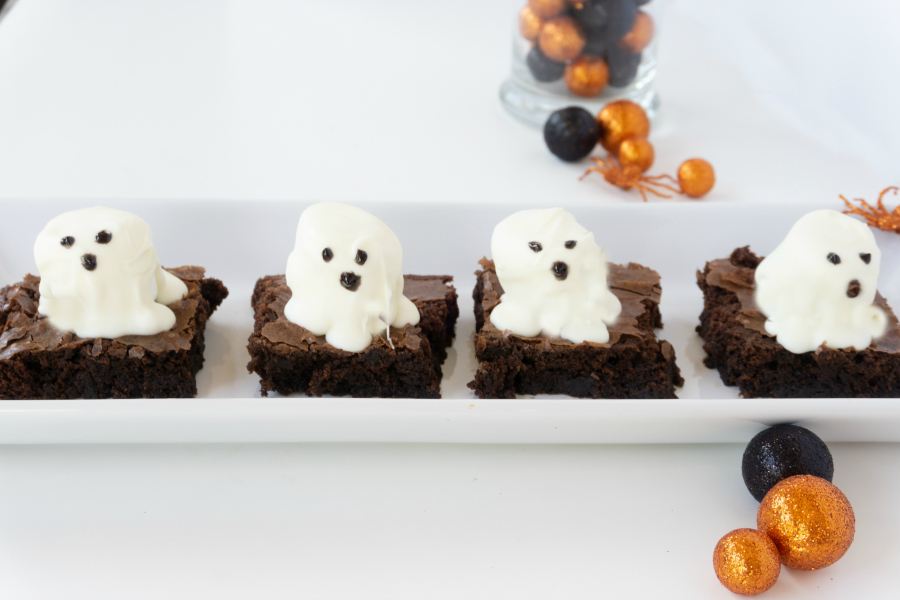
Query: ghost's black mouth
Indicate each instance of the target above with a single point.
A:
(560, 270)
(853, 288)
(350, 281)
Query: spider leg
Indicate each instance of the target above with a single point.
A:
(652, 181)
(881, 197)
(591, 170)
(641, 190)
(654, 178)
(656, 193)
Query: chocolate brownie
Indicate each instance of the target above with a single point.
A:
(736, 342)
(633, 364)
(38, 361)
(289, 358)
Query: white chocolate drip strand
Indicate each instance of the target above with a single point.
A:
(553, 276)
(100, 275)
(346, 277)
(818, 286)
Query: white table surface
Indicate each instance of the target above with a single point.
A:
(355, 101)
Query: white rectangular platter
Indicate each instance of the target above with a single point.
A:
(240, 241)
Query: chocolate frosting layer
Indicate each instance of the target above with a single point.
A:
(734, 275)
(23, 328)
(418, 288)
(633, 285)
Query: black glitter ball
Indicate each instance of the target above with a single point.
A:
(623, 66)
(542, 68)
(783, 451)
(591, 14)
(595, 46)
(620, 17)
(571, 133)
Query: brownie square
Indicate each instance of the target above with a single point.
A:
(38, 361)
(736, 343)
(634, 364)
(289, 358)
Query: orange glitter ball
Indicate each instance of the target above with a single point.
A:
(809, 519)
(619, 120)
(562, 39)
(746, 562)
(587, 76)
(547, 8)
(641, 34)
(636, 151)
(696, 177)
(529, 24)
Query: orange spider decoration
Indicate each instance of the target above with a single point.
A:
(876, 217)
(630, 176)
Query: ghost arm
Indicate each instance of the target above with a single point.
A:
(169, 288)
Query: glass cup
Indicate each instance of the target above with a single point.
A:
(581, 52)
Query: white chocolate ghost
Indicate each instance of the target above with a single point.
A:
(100, 276)
(346, 277)
(818, 286)
(553, 276)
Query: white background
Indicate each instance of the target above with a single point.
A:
(396, 101)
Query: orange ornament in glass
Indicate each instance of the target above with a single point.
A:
(562, 39)
(586, 76)
(547, 8)
(641, 34)
(530, 24)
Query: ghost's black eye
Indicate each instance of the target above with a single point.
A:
(834, 258)
(866, 257)
(571, 244)
(327, 254)
(89, 262)
(535, 246)
(103, 237)
(361, 257)
(67, 241)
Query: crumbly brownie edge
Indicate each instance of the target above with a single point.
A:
(315, 368)
(762, 368)
(509, 365)
(108, 368)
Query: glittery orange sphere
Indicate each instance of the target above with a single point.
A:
(530, 24)
(547, 8)
(619, 120)
(746, 562)
(587, 76)
(696, 177)
(562, 39)
(641, 34)
(810, 521)
(636, 151)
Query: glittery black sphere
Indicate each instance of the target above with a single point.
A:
(595, 47)
(591, 14)
(783, 451)
(542, 68)
(571, 133)
(623, 66)
(620, 17)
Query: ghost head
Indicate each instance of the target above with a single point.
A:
(346, 277)
(553, 276)
(818, 286)
(100, 276)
